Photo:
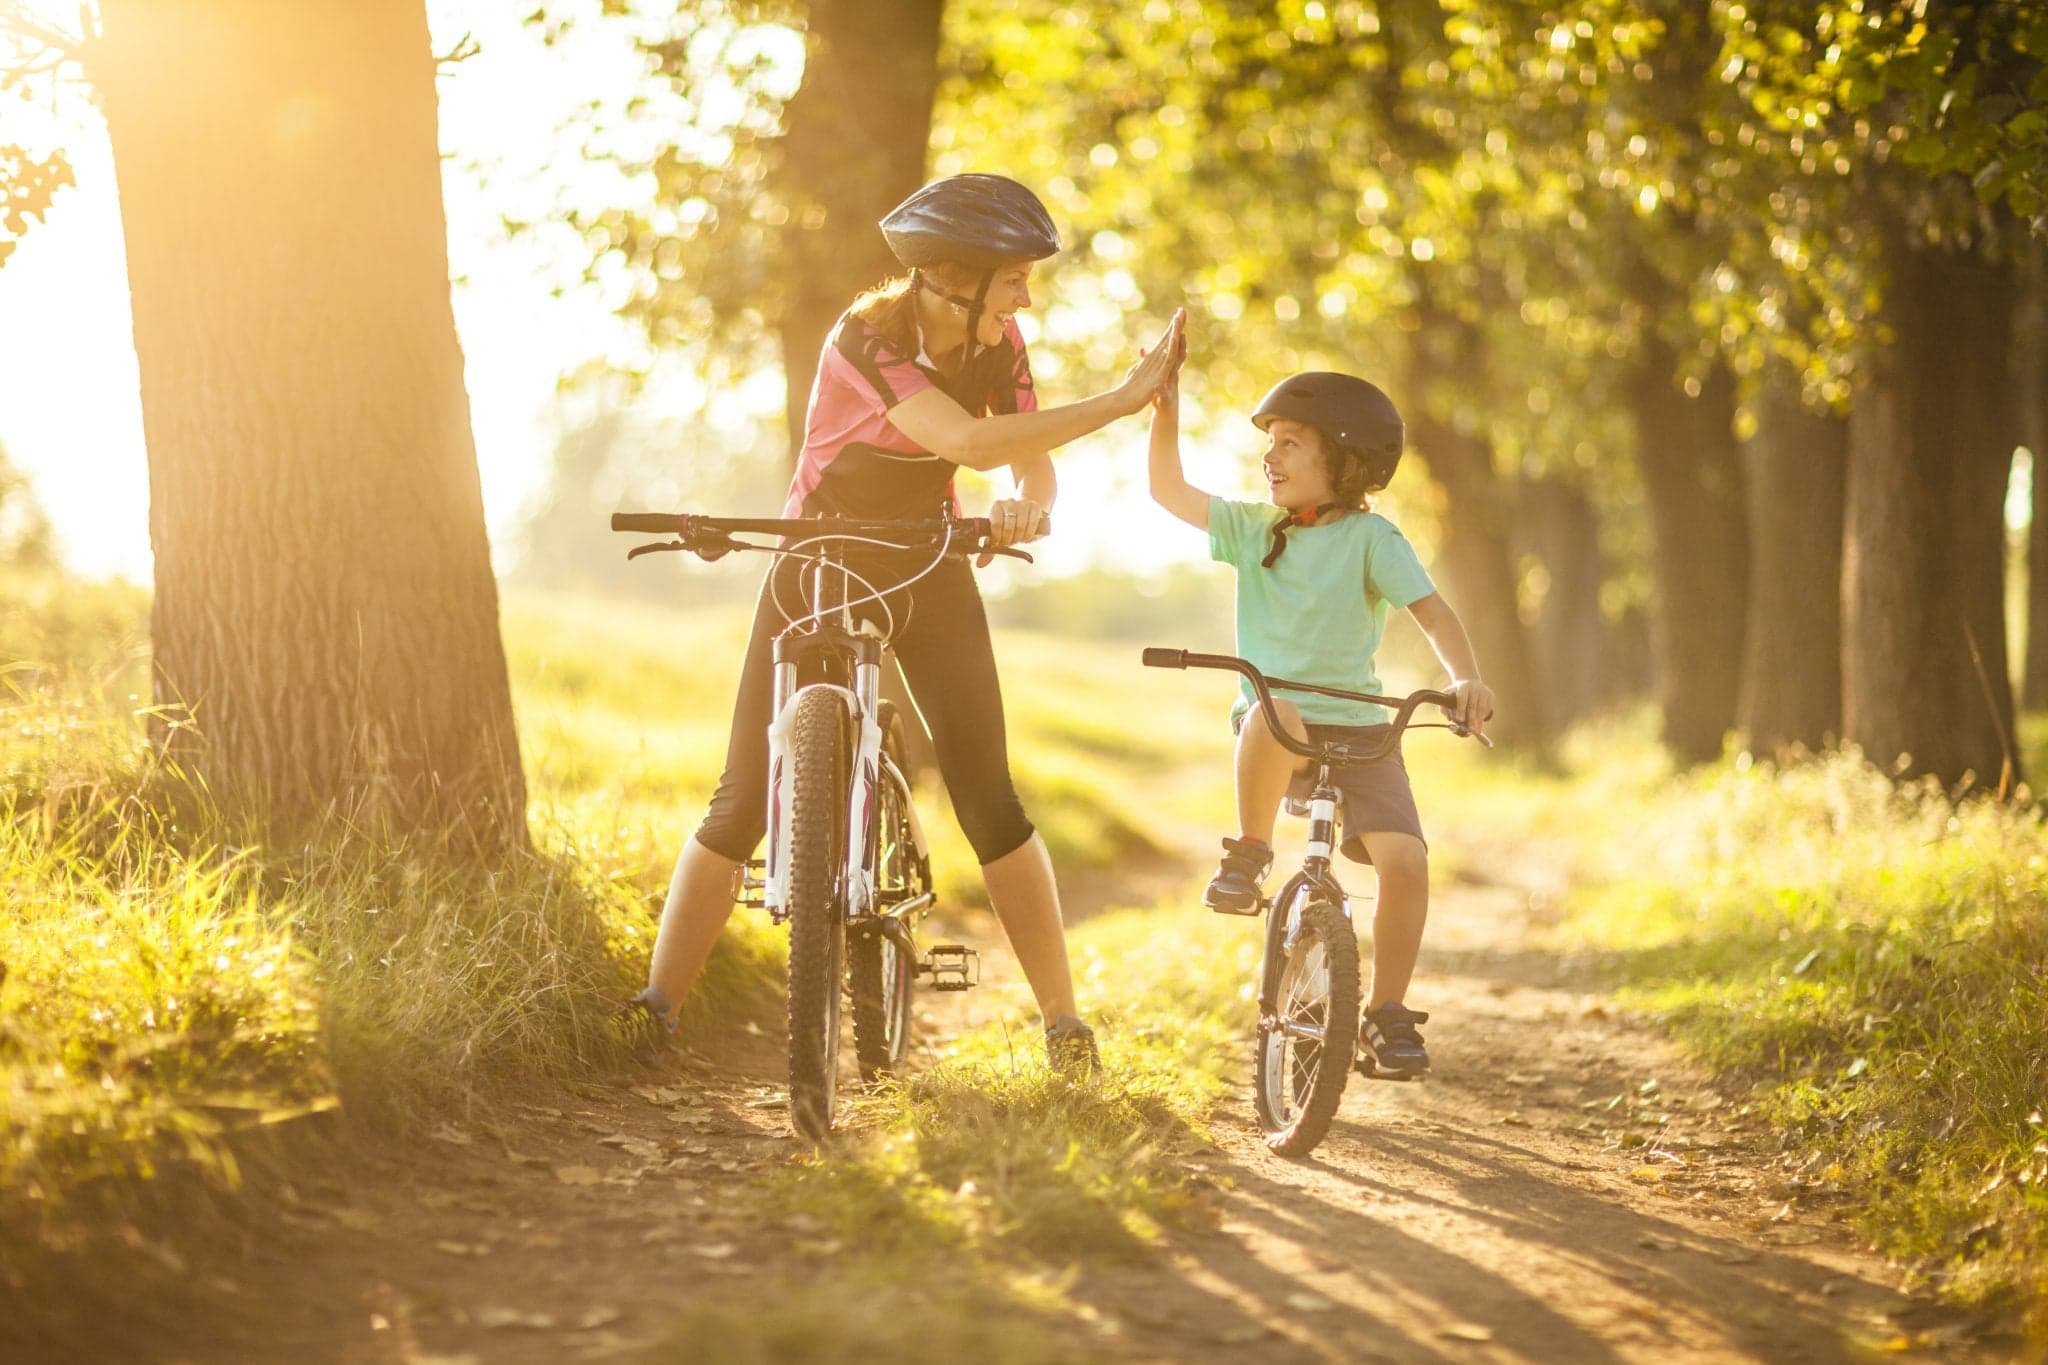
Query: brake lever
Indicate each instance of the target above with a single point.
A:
(639, 550)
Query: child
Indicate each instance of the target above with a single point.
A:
(1316, 573)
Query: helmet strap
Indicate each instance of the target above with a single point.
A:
(1307, 516)
(974, 307)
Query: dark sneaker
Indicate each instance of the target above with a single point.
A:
(647, 1016)
(1392, 1046)
(1070, 1048)
(1236, 889)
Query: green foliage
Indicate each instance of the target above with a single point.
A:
(28, 183)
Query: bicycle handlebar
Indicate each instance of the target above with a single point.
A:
(1404, 707)
(700, 533)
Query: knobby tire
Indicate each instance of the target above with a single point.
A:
(1312, 1074)
(819, 758)
(882, 972)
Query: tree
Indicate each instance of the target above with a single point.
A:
(325, 619)
(762, 229)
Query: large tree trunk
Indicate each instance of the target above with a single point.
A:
(854, 146)
(1797, 468)
(2030, 388)
(1930, 450)
(1569, 637)
(1691, 469)
(325, 612)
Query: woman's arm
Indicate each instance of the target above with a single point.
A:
(1036, 481)
(933, 420)
(1454, 648)
(1170, 486)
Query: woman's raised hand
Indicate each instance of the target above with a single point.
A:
(1157, 365)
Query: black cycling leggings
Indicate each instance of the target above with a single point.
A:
(943, 647)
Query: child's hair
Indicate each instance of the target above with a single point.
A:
(1356, 473)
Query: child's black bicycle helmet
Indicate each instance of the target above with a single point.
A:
(1347, 410)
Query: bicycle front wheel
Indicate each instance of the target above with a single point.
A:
(1308, 1018)
(882, 971)
(818, 761)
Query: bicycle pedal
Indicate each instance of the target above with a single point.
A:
(951, 966)
(754, 884)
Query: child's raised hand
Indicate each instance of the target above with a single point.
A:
(1158, 364)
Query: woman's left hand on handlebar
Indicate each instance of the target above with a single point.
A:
(1475, 704)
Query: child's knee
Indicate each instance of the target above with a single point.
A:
(1401, 860)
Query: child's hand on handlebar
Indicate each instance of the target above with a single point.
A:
(1475, 705)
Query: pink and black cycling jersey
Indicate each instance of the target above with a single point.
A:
(855, 463)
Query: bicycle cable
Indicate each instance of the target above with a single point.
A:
(878, 596)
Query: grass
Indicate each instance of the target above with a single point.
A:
(177, 995)
(976, 1190)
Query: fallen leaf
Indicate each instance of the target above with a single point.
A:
(632, 1146)
(577, 1175)
(716, 1251)
(1653, 1242)
(1309, 1303)
(452, 1135)
(1647, 1174)
(662, 1094)
(462, 1248)
(1466, 1331)
(523, 1159)
(1791, 1237)
(496, 1317)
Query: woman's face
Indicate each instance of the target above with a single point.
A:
(1297, 475)
(1008, 294)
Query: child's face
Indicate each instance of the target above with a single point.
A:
(1297, 475)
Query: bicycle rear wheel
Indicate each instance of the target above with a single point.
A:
(1308, 1023)
(817, 925)
(882, 970)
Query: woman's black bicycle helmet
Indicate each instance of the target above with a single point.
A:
(979, 220)
(1348, 411)
(987, 221)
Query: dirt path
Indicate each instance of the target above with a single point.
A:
(1563, 1190)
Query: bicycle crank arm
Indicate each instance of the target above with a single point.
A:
(1312, 1032)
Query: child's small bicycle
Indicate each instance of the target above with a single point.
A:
(1309, 986)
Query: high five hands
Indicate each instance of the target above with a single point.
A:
(1158, 365)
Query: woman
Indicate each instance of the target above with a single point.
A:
(919, 378)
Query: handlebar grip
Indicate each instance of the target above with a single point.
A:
(1166, 658)
(651, 523)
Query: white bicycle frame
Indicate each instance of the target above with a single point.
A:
(870, 769)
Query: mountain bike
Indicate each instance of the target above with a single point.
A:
(847, 867)
(1309, 980)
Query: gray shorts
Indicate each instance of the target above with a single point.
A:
(1372, 798)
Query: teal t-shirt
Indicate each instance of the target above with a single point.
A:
(1318, 614)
